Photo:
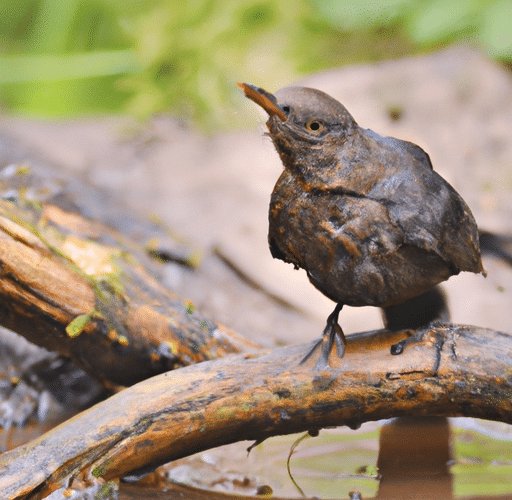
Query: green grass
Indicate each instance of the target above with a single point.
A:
(74, 57)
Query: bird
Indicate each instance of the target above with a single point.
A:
(364, 215)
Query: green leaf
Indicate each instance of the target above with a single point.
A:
(54, 67)
(76, 327)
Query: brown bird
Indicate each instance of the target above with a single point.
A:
(365, 215)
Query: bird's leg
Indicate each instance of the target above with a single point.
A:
(332, 334)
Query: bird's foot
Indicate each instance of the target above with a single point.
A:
(400, 346)
(333, 334)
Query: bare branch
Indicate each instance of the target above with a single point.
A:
(453, 371)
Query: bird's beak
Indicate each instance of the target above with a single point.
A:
(264, 99)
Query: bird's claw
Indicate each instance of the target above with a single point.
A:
(333, 334)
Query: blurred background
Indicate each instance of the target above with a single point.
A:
(75, 57)
(139, 99)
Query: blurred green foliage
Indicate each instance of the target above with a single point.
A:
(61, 57)
(428, 23)
(482, 464)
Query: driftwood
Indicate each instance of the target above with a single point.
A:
(453, 371)
(77, 287)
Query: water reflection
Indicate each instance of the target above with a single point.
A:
(414, 454)
(411, 458)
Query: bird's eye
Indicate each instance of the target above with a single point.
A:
(315, 127)
(285, 108)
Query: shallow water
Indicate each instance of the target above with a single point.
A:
(409, 458)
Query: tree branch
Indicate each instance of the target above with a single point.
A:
(453, 371)
(64, 287)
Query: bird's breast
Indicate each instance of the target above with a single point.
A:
(349, 246)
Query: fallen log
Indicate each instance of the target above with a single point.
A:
(80, 288)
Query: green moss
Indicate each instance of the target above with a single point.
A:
(77, 325)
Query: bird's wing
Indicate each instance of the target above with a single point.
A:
(433, 216)
(401, 146)
(428, 211)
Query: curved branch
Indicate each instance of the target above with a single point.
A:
(453, 371)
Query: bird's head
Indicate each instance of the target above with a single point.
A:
(308, 127)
